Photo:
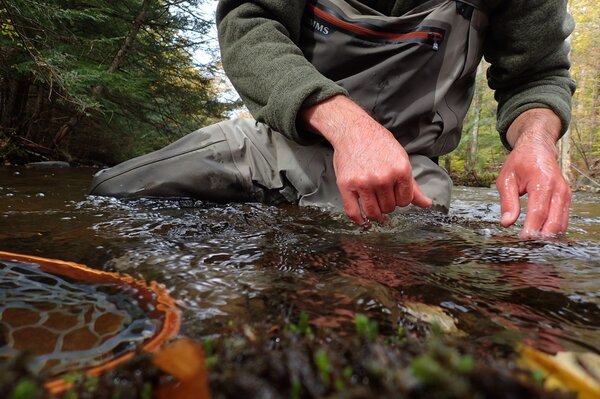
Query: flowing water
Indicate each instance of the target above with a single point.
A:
(253, 263)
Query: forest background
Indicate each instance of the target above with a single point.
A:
(98, 82)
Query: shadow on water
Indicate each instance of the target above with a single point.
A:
(252, 263)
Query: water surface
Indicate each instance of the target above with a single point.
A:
(253, 263)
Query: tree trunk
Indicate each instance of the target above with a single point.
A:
(448, 163)
(21, 116)
(477, 105)
(564, 147)
(135, 28)
(9, 104)
(4, 90)
(18, 92)
(35, 117)
(565, 155)
(115, 65)
(64, 130)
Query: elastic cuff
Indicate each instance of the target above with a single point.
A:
(298, 89)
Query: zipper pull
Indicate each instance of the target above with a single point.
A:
(435, 40)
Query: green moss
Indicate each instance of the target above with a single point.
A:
(323, 365)
(293, 363)
(25, 389)
(365, 328)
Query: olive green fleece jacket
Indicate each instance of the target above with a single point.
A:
(525, 46)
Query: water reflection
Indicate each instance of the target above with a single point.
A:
(250, 263)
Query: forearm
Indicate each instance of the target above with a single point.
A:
(260, 55)
(340, 121)
(529, 56)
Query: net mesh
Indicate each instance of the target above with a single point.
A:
(68, 325)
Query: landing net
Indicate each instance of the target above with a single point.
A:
(74, 318)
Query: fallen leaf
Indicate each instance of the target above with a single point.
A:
(579, 372)
(184, 360)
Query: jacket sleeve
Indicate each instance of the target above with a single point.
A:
(260, 56)
(529, 55)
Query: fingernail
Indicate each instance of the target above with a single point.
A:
(505, 216)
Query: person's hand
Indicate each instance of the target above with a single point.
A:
(531, 168)
(372, 169)
(373, 173)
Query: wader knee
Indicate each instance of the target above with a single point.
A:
(433, 180)
(199, 165)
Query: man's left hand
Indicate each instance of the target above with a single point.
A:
(532, 168)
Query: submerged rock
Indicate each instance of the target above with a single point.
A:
(48, 165)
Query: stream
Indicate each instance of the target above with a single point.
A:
(253, 263)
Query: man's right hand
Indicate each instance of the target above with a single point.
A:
(372, 169)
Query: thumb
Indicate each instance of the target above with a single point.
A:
(420, 199)
(509, 199)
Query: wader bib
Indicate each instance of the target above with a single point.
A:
(414, 74)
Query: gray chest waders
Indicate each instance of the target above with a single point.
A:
(414, 73)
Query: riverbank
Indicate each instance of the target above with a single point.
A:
(297, 360)
(587, 180)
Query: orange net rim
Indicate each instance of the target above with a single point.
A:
(164, 304)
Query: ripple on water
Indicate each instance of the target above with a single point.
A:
(238, 259)
(253, 263)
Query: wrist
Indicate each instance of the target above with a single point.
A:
(338, 119)
(537, 125)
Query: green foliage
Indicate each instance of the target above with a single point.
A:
(585, 123)
(123, 69)
(538, 376)
(296, 389)
(24, 389)
(7, 28)
(464, 364)
(365, 329)
(585, 57)
(323, 366)
(477, 164)
(302, 327)
(443, 365)
(210, 358)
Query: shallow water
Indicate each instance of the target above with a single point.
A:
(252, 263)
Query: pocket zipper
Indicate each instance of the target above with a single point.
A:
(431, 37)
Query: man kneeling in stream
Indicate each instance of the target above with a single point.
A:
(355, 100)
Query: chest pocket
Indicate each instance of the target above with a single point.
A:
(413, 73)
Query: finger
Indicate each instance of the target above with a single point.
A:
(509, 199)
(556, 222)
(538, 206)
(370, 206)
(386, 199)
(352, 206)
(566, 210)
(403, 191)
(419, 198)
